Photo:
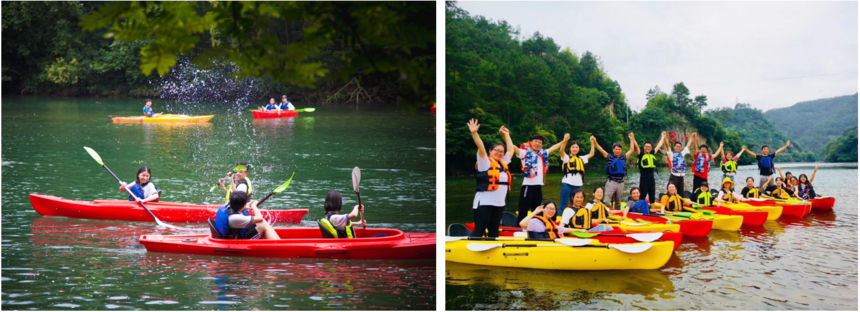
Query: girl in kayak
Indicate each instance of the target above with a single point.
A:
(804, 186)
(780, 192)
(573, 167)
(750, 191)
(637, 204)
(577, 217)
(493, 181)
(540, 223)
(334, 224)
(232, 220)
(672, 201)
(272, 106)
(239, 181)
(147, 109)
(726, 194)
(142, 188)
(786, 179)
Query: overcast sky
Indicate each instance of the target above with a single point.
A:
(768, 54)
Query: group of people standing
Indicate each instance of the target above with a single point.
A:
(537, 216)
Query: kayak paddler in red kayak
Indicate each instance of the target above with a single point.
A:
(334, 224)
(239, 181)
(272, 105)
(141, 187)
(232, 219)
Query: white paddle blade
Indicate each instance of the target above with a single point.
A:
(455, 238)
(575, 242)
(633, 224)
(645, 237)
(356, 177)
(631, 248)
(94, 155)
(521, 234)
(482, 247)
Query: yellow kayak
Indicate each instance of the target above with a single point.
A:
(773, 212)
(551, 255)
(631, 225)
(163, 118)
(721, 222)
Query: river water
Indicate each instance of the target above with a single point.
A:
(53, 263)
(788, 264)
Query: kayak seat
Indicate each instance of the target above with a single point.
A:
(509, 219)
(212, 229)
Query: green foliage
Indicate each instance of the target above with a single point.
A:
(755, 130)
(843, 148)
(63, 72)
(813, 123)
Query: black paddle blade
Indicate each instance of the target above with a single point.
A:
(456, 229)
(509, 219)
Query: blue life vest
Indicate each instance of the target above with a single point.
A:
(642, 207)
(272, 106)
(765, 163)
(137, 192)
(286, 106)
(678, 163)
(222, 224)
(147, 111)
(702, 163)
(616, 167)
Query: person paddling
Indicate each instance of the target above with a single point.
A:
(493, 182)
(535, 161)
(765, 161)
(616, 170)
(337, 225)
(142, 187)
(147, 109)
(647, 165)
(239, 181)
(677, 163)
(540, 223)
(573, 167)
(232, 220)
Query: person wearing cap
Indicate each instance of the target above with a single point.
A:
(616, 170)
(239, 181)
(726, 194)
(285, 104)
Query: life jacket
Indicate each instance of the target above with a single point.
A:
(703, 164)
(222, 223)
(489, 180)
(530, 163)
(642, 207)
(147, 111)
(551, 230)
(704, 198)
(753, 193)
(329, 231)
(729, 166)
(138, 191)
(581, 218)
(648, 161)
(272, 106)
(599, 211)
(781, 193)
(243, 181)
(729, 197)
(573, 166)
(765, 163)
(616, 167)
(677, 162)
(673, 203)
(805, 192)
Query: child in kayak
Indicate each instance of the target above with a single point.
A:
(239, 181)
(750, 191)
(272, 106)
(804, 187)
(780, 192)
(726, 194)
(540, 223)
(335, 225)
(147, 109)
(232, 220)
(142, 188)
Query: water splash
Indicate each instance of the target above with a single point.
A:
(187, 83)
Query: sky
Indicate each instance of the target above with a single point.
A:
(767, 54)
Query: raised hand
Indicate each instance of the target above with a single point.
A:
(630, 135)
(816, 165)
(663, 134)
(566, 136)
(788, 143)
(473, 125)
(721, 144)
(592, 139)
(538, 210)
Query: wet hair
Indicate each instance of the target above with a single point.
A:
(572, 195)
(539, 137)
(141, 170)
(333, 201)
(547, 203)
(238, 199)
(505, 149)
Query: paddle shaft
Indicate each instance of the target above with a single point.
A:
(361, 211)
(547, 245)
(132, 194)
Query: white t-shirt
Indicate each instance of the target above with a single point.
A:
(567, 215)
(239, 221)
(242, 187)
(494, 198)
(148, 190)
(339, 221)
(576, 178)
(535, 180)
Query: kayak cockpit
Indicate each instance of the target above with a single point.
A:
(314, 235)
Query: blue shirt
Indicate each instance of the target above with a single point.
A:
(147, 111)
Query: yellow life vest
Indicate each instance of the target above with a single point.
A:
(673, 204)
(781, 193)
(329, 231)
(574, 165)
(729, 166)
(705, 198)
(599, 211)
(729, 197)
(230, 189)
(648, 161)
(753, 193)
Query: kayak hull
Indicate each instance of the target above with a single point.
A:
(823, 204)
(302, 243)
(791, 210)
(723, 222)
(750, 218)
(559, 257)
(773, 212)
(668, 236)
(125, 210)
(162, 118)
(275, 114)
(691, 228)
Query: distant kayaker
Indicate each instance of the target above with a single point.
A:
(144, 189)
(493, 181)
(232, 219)
(239, 181)
(804, 186)
(729, 164)
(647, 165)
(637, 204)
(573, 167)
(541, 222)
(272, 106)
(616, 170)
(579, 217)
(337, 225)
(727, 194)
(765, 160)
(702, 163)
(677, 163)
(751, 191)
(535, 161)
(285, 104)
(147, 109)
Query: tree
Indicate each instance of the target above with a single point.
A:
(653, 92)
(681, 95)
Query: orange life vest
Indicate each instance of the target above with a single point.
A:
(551, 227)
(489, 180)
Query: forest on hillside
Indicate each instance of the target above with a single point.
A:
(756, 130)
(381, 52)
(843, 148)
(814, 123)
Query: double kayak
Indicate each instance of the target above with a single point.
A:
(691, 228)
(125, 210)
(163, 118)
(302, 243)
(551, 255)
(275, 114)
(791, 209)
(616, 236)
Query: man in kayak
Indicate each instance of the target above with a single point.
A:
(616, 170)
(535, 161)
(147, 109)
(765, 161)
(239, 181)
(677, 163)
(285, 104)
(334, 224)
(232, 219)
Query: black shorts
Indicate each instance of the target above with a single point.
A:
(251, 232)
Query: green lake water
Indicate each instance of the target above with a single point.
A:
(53, 263)
(788, 264)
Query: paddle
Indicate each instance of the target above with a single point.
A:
(306, 110)
(632, 248)
(98, 159)
(356, 176)
(277, 190)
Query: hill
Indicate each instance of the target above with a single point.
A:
(814, 123)
(756, 130)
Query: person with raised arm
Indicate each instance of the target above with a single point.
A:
(702, 163)
(616, 170)
(573, 167)
(677, 163)
(765, 161)
(493, 180)
(535, 162)
(647, 165)
(729, 165)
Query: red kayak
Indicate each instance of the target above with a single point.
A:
(275, 114)
(433, 109)
(691, 228)
(667, 236)
(302, 243)
(125, 210)
(823, 203)
(754, 218)
(792, 210)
